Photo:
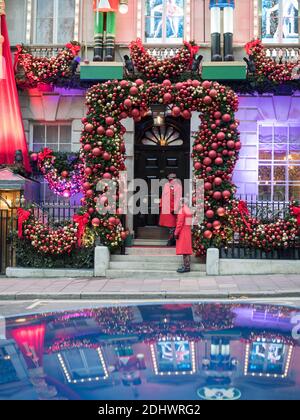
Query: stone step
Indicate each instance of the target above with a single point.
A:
(151, 250)
(150, 274)
(152, 266)
(151, 258)
(150, 242)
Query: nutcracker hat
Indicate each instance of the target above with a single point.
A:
(106, 5)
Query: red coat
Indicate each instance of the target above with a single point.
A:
(169, 203)
(184, 244)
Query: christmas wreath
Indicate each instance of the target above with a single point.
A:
(32, 71)
(45, 239)
(167, 68)
(63, 172)
(266, 67)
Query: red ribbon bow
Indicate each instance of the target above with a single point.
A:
(81, 221)
(296, 213)
(45, 154)
(73, 48)
(252, 44)
(243, 209)
(140, 45)
(193, 49)
(23, 215)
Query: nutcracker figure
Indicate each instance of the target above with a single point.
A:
(105, 27)
(216, 7)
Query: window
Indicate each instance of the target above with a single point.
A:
(164, 21)
(16, 20)
(280, 21)
(54, 21)
(279, 162)
(56, 137)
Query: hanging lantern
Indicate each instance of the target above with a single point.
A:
(159, 114)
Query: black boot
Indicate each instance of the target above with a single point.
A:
(98, 49)
(228, 47)
(109, 48)
(183, 270)
(216, 47)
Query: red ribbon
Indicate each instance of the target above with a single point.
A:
(23, 215)
(73, 48)
(252, 44)
(296, 212)
(193, 49)
(45, 154)
(81, 221)
(243, 209)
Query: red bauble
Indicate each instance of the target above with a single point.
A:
(109, 133)
(226, 194)
(199, 148)
(207, 100)
(65, 174)
(109, 120)
(112, 220)
(206, 84)
(133, 91)
(212, 154)
(176, 111)
(97, 152)
(186, 114)
(226, 118)
(231, 144)
(167, 82)
(217, 195)
(107, 175)
(197, 166)
(221, 212)
(213, 93)
(167, 98)
(135, 113)
(218, 181)
(128, 103)
(217, 115)
(88, 171)
(208, 234)
(219, 161)
(216, 225)
(89, 128)
(207, 186)
(210, 214)
(238, 145)
(96, 222)
(139, 82)
(86, 186)
(89, 193)
(207, 161)
(87, 147)
(106, 156)
(221, 136)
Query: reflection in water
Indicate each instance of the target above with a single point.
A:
(174, 351)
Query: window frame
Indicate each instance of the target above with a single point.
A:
(272, 163)
(164, 42)
(56, 15)
(281, 39)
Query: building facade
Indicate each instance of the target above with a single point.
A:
(269, 164)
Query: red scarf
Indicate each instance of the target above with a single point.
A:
(81, 221)
(23, 216)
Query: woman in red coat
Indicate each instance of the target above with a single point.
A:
(169, 205)
(183, 235)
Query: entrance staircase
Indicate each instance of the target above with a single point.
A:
(151, 259)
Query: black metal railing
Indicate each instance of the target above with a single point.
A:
(267, 212)
(56, 211)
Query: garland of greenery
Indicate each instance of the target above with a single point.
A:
(32, 71)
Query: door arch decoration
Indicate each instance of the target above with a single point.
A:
(215, 149)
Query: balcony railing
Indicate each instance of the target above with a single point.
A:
(283, 53)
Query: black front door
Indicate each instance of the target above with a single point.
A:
(160, 151)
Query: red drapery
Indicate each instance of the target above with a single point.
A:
(12, 135)
(30, 341)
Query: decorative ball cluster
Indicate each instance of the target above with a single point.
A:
(32, 70)
(215, 150)
(266, 67)
(48, 240)
(167, 68)
(253, 233)
(64, 174)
